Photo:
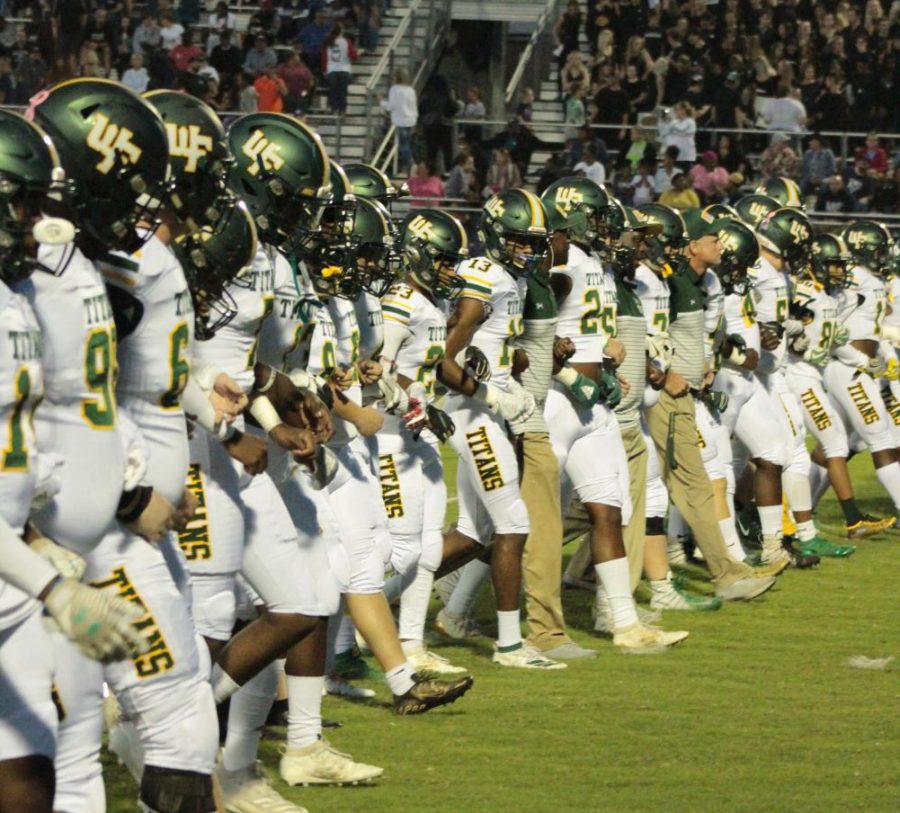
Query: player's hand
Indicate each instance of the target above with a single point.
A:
(521, 362)
(563, 350)
(655, 376)
(875, 367)
(249, 450)
(186, 508)
(342, 378)
(751, 360)
(676, 385)
(615, 352)
(227, 398)
(369, 371)
(317, 417)
(99, 623)
(477, 364)
(299, 442)
(768, 336)
(156, 520)
(624, 386)
(66, 562)
(440, 423)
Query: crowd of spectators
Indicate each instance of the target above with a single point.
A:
(781, 72)
(275, 64)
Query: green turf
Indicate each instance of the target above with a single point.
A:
(756, 711)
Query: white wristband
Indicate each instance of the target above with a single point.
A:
(485, 394)
(270, 383)
(265, 414)
(567, 376)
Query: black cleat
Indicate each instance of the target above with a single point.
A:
(428, 694)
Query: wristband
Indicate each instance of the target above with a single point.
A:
(485, 394)
(567, 376)
(264, 413)
(269, 384)
(132, 504)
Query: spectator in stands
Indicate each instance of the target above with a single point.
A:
(786, 112)
(264, 20)
(61, 71)
(259, 58)
(860, 183)
(640, 148)
(502, 174)
(612, 107)
(369, 24)
(183, 54)
(876, 155)
(171, 32)
(588, 136)
(730, 155)
(636, 56)
(338, 56)
(462, 182)
(576, 115)
(638, 90)
(6, 83)
(7, 35)
(574, 71)
(832, 110)
(643, 185)
(222, 19)
(71, 18)
(833, 197)
(662, 179)
(245, 93)
(101, 32)
(888, 196)
(709, 179)
(554, 168)
(680, 196)
(473, 109)
(520, 142)
(313, 37)
(146, 35)
(590, 167)
(270, 91)
(136, 77)
(525, 108)
(568, 31)
(122, 44)
(299, 82)
(425, 186)
(678, 129)
(437, 107)
(226, 59)
(818, 164)
(778, 159)
(90, 65)
(403, 106)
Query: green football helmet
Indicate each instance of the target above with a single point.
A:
(718, 211)
(30, 184)
(668, 243)
(753, 208)
(519, 216)
(374, 250)
(213, 257)
(578, 206)
(831, 262)
(740, 250)
(788, 234)
(871, 245)
(282, 172)
(337, 219)
(783, 190)
(198, 155)
(371, 183)
(113, 147)
(433, 244)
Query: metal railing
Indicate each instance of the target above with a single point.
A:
(536, 55)
(421, 34)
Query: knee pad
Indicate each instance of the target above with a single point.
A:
(516, 520)
(167, 790)
(405, 553)
(432, 551)
(183, 733)
(215, 612)
(655, 526)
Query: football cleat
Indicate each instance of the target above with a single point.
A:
(430, 663)
(427, 694)
(818, 546)
(351, 665)
(766, 571)
(250, 791)
(869, 526)
(321, 764)
(798, 559)
(640, 640)
(338, 687)
(525, 656)
(669, 595)
(457, 627)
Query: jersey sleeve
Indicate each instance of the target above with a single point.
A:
(477, 282)
(397, 306)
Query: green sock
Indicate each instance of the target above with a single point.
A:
(851, 511)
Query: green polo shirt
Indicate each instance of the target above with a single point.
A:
(686, 328)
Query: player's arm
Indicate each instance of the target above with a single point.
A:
(461, 330)
(274, 395)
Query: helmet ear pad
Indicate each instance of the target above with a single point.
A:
(413, 253)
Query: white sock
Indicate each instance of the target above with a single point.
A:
(797, 490)
(818, 482)
(345, 639)
(770, 519)
(414, 606)
(400, 678)
(617, 585)
(889, 477)
(471, 580)
(509, 628)
(806, 530)
(732, 539)
(676, 528)
(223, 685)
(246, 718)
(304, 710)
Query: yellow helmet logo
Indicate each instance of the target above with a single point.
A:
(421, 227)
(567, 197)
(494, 207)
(260, 150)
(186, 141)
(110, 140)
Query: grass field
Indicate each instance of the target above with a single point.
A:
(757, 711)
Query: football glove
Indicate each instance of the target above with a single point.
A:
(716, 400)
(840, 337)
(68, 563)
(512, 404)
(584, 391)
(476, 364)
(100, 624)
(440, 423)
(892, 373)
(875, 367)
(799, 343)
(818, 356)
(738, 345)
(659, 348)
(610, 389)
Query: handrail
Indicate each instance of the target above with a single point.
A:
(548, 14)
(383, 63)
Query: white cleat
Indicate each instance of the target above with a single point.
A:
(457, 627)
(526, 657)
(429, 663)
(341, 688)
(640, 640)
(321, 764)
(250, 791)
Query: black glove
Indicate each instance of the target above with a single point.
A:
(477, 364)
(440, 423)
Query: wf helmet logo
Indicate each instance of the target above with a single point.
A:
(567, 198)
(422, 228)
(495, 208)
(262, 151)
(111, 141)
(189, 143)
(799, 231)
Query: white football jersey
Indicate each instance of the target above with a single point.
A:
(820, 331)
(371, 324)
(233, 349)
(149, 288)
(78, 417)
(588, 314)
(863, 317)
(713, 311)
(21, 386)
(771, 299)
(502, 297)
(654, 294)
